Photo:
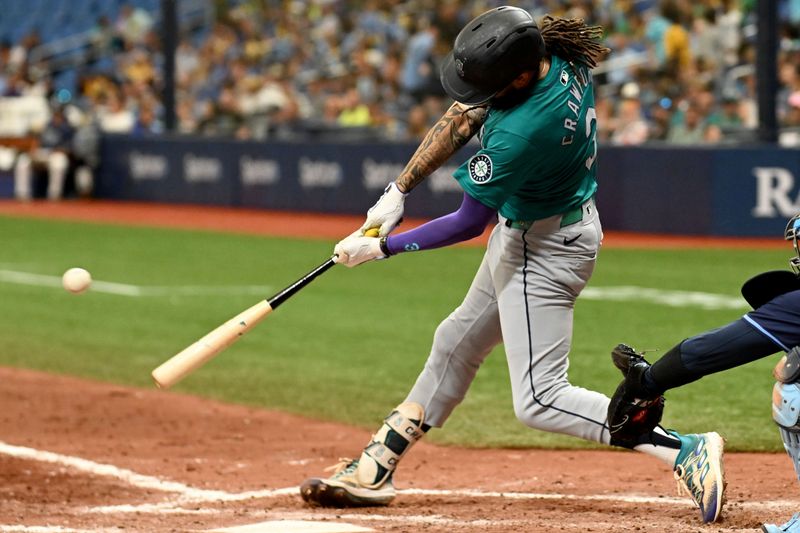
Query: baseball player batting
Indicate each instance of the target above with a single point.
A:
(527, 92)
(772, 326)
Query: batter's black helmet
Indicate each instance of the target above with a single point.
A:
(490, 52)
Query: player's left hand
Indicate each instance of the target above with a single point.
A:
(355, 249)
(387, 211)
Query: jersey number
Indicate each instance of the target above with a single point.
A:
(591, 116)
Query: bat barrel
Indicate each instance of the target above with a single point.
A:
(183, 363)
(193, 357)
(199, 353)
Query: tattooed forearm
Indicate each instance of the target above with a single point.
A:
(450, 133)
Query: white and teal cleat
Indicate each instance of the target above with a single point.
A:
(699, 472)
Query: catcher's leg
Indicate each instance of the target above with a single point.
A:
(716, 350)
(786, 413)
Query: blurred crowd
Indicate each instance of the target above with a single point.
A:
(679, 72)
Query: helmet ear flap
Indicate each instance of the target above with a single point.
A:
(792, 233)
(792, 228)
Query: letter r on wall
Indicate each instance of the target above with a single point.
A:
(773, 185)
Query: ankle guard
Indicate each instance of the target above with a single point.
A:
(400, 430)
(786, 404)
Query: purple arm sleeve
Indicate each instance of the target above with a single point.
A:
(468, 222)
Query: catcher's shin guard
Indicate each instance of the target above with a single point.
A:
(786, 404)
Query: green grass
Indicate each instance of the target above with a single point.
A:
(349, 347)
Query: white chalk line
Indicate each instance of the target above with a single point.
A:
(125, 289)
(624, 293)
(189, 495)
(670, 298)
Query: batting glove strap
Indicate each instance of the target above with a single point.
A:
(393, 185)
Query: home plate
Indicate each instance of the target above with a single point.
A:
(294, 526)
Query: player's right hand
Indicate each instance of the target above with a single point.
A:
(355, 249)
(387, 211)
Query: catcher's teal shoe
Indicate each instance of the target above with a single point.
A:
(699, 471)
(792, 526)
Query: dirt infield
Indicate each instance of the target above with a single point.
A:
(77, 455)
(82, 455)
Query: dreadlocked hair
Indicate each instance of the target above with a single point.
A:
(572, 40)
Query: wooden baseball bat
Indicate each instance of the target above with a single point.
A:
(194, 356)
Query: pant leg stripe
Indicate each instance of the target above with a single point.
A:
(530, 341)
(769, 335)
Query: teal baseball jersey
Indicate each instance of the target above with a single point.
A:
(538, 159)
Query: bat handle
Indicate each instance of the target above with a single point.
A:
(287, 293)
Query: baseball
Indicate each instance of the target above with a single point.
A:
(372, 232)
(76, 280)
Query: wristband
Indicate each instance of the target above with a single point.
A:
(393, 185)
(384, 246)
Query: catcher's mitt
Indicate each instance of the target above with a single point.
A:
(631, 414)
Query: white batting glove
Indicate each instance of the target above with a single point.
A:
(354, 250)
(387, 211)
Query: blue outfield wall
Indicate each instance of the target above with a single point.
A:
(329, 178)
(731, 191)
